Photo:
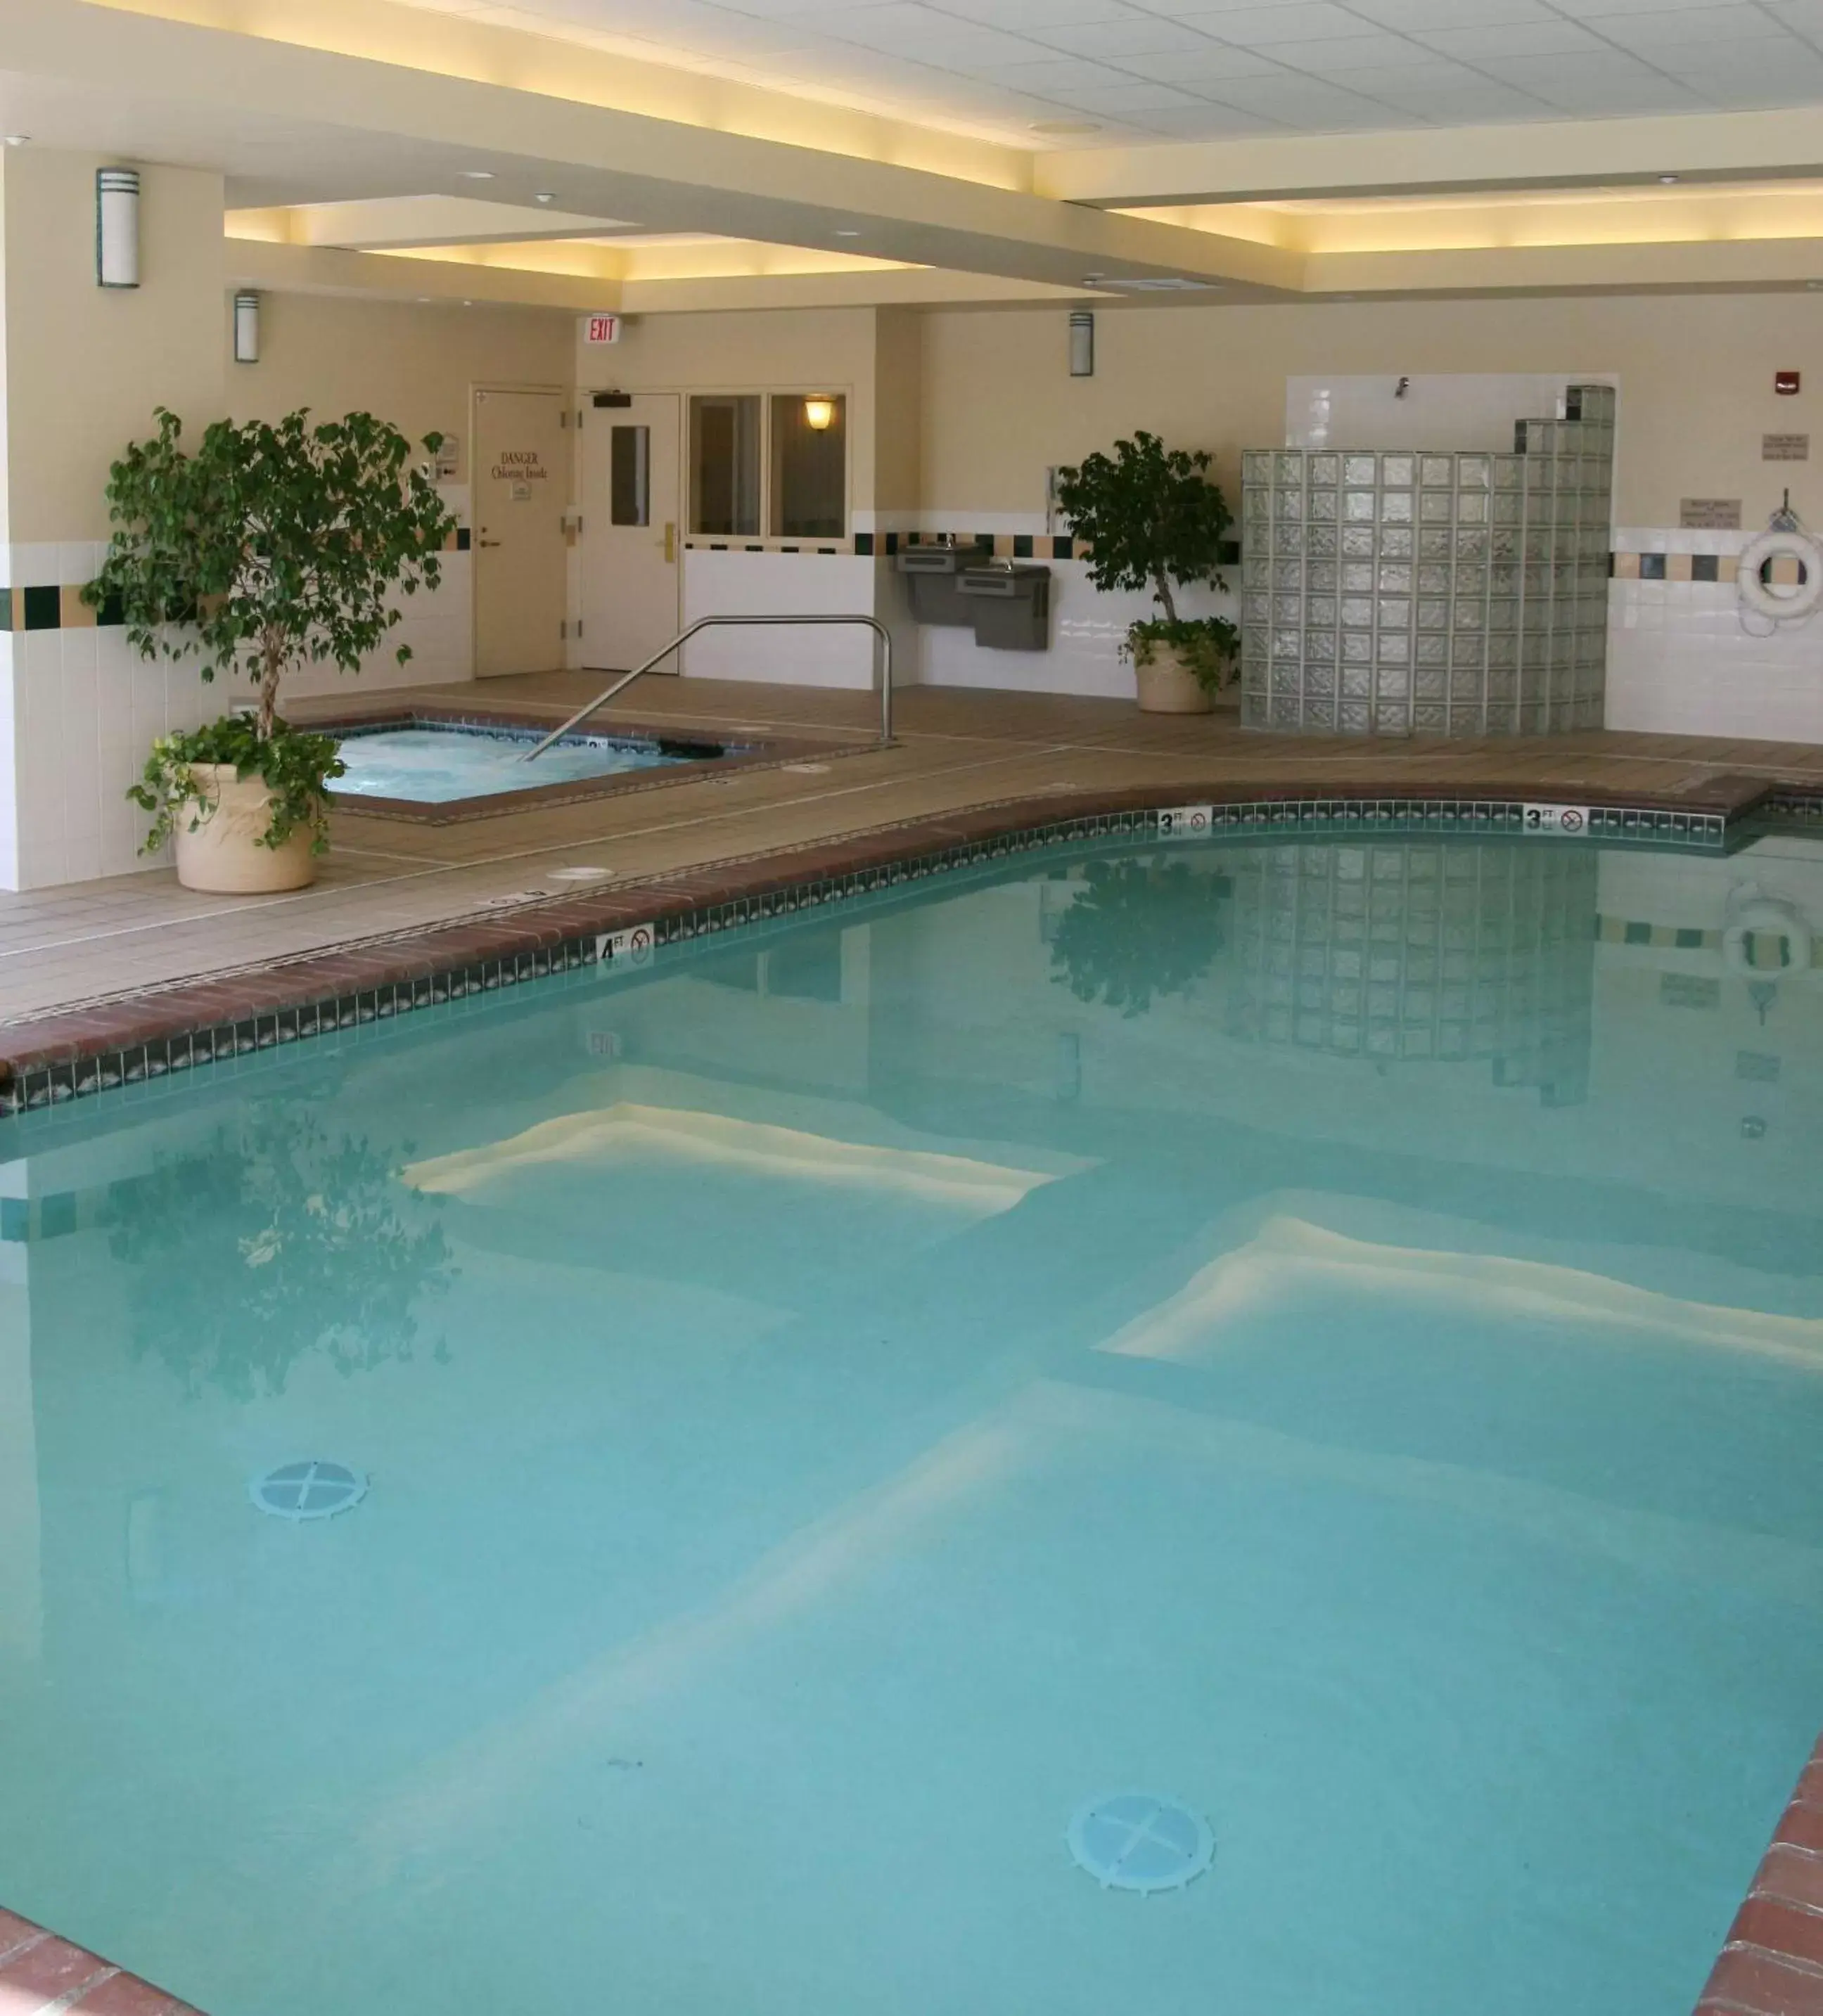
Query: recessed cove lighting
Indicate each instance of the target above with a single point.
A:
(477, 174)
(1065, 126)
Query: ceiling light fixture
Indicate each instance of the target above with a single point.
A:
(848, 234)
(820, 412)
(1667, 180)
(477, 174)
(18, 140)
(545, 195)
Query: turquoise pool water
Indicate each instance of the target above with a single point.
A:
(437, 765)
(1329, 1333)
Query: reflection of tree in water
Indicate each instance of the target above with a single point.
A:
(1139, 928)
(272, 1240)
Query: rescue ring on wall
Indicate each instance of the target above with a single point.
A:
(1755, 593)
(1756, 916)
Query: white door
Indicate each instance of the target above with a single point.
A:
(520, 465)
(631, 552)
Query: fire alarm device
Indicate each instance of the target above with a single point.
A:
(1786, 383)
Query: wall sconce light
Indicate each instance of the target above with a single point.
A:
(1082, 344)
(117, 226)
(246, 327)
(820, 412)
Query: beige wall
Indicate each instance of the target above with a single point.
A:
(809, 350)
(1695, 375)
(409, 364)
(86, 364)
(898, 397)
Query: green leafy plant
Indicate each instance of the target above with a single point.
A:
(1208, 646)
(1139, 928)
(295, 765)
(270, 1239)
(1151, 519)
(266, 547)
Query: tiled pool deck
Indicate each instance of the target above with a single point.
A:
(118, 983)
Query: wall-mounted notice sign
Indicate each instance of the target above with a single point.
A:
(1709, 514)
(1784, 448)
(602, 329)
(448, 458)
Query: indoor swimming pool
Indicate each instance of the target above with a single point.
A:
(802, 1478)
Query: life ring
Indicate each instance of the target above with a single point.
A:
(1802, 600)
(1769, 916)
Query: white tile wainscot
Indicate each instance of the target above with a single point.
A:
(1681, 661)
(805, 584)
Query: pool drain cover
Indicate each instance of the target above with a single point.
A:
(297, 1491)
(1136, 1841)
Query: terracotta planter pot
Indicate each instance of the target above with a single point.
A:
(223, 856)
(1167, 685)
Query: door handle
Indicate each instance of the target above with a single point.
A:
(490, 542)
(670, 541)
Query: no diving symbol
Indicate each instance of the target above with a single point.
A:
(1571, 821)
(636, 946)
(1186, 822)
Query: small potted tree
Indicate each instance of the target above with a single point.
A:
(1152, 520)
(266, 547)
(1137, 928)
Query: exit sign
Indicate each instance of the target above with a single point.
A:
(602, 329)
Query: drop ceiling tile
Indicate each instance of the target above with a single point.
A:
(1785, 61)
(1525, 38)
(1802, 17)
(1138, 95)
(1338, 56)
(1305, 102)
(917, 31)
(1419, 84)
(1253, 25)
(1209, 122)
(1645, 33)
(1051, 72)
(1409, 16)
(1021, 16)
(1145, 35)
(1209, 65)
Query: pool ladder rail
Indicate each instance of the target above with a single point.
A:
(883, 656)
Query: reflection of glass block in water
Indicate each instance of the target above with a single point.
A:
(1357, 542)
(1396, 542)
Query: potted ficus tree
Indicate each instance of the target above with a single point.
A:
(1152, 520)
(262, 548)
(1137, 928)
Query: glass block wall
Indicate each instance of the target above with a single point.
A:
(1386, 592)
(1404, 950)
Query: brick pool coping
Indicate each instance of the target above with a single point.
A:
(43, 1975)
(757, 752)
(96, 1046)
(1772, 1963)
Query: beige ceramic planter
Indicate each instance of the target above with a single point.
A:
(1167, 685)
(223, 855)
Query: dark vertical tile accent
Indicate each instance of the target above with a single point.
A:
(464, 538)
(1704, 567)
(1022, 545)
(864, 546)
(1063, 550)
(5, 609)
(44, 607)
(1651, 567)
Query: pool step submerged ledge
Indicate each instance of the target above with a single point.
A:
(41, 1973)
(99, 1046)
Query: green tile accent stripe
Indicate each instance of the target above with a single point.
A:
(1763, 947)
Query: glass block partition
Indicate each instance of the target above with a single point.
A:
(1414, 949)
(1387, 592)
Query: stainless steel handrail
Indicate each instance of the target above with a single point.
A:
(712, 622)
